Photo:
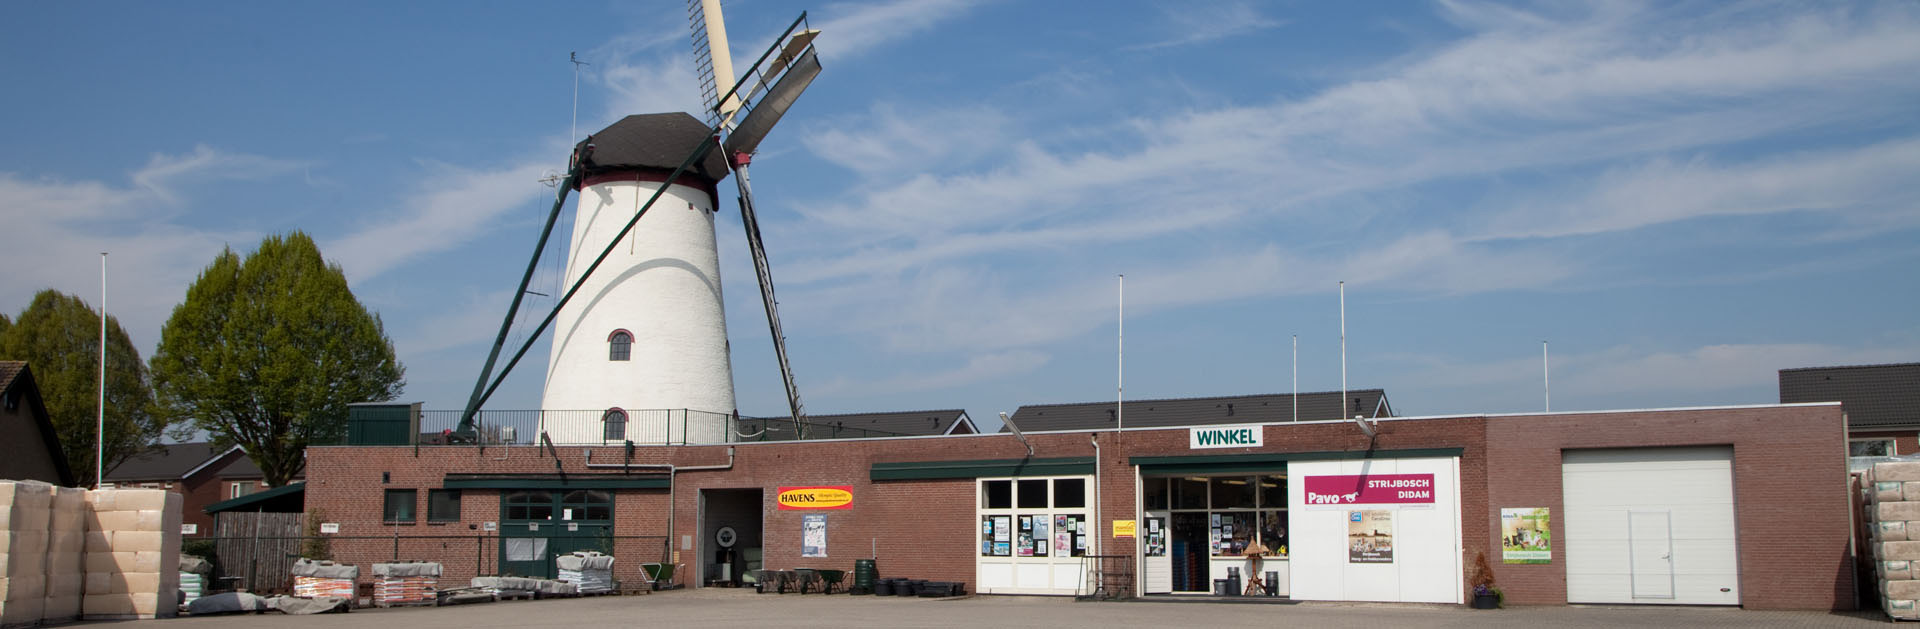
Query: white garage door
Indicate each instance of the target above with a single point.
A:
(1651, 525)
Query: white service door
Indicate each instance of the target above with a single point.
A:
(1159, 568)
(1650, 525)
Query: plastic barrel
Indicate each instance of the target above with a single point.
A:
(864, 573)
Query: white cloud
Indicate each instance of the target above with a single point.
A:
(449, 207)
(849, 30)
(165, 174)
(1208, 22)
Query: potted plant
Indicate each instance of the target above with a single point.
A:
(1486, 595)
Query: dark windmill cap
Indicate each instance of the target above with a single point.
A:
(651, 142)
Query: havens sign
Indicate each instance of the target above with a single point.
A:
(1247, 436)
(817, 497)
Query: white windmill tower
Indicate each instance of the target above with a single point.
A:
(640, 342)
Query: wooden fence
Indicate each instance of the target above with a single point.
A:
(256, 551)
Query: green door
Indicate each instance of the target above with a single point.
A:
(537, 525)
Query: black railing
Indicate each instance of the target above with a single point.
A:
(261, 564)
(581, 427)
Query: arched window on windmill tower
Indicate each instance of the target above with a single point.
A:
(613, 425)
(620, 345)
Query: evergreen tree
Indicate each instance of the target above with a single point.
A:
(266, 353)
(59, 337)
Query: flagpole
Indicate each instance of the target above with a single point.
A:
(100, 419)
(1343, 349)
(1120, 378)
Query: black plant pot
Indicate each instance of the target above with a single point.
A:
(1486, 601)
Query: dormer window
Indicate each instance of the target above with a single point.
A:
(620, 345)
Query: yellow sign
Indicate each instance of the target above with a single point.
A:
(1124, 528)
(828, 497)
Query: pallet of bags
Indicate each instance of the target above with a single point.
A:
(132, 554)
(26, 508)
(408, 583)
(591, 571)
(313, 579)
(194, 572)
(1893, 510)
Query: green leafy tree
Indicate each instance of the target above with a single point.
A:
(59, 337)
(266, 353)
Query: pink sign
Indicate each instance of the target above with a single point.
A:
(1373, 489)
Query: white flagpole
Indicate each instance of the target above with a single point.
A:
(1120, 378)
(1296, 377)
(1546, 377)
(100, 420)
(1343, 349)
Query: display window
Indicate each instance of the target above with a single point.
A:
(1034, 533)
(1236, 510)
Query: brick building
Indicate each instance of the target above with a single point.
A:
(1882, 403)
(1734, 506)
(189, 469)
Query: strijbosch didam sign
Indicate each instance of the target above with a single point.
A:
(1247, 436)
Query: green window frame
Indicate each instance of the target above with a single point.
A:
(443, 505)
(399, 505)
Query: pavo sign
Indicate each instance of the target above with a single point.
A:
(1247, 436)
(817, 497)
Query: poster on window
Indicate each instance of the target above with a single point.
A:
(1525, 536)
(1370, 536)
(813, 535)
(1040, 537)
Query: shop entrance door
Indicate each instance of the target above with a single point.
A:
(730, 535)
(538, 525)
(1154, 538)
(1188, 552)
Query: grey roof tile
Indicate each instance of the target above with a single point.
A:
(1200, 411)
(1873, 396)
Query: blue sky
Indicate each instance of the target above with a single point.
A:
(1682, 197)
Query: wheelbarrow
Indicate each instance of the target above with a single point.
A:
(830, 578)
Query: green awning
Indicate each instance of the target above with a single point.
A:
(288, 498)
(976, 468)
(556, 481)
(1270, 461)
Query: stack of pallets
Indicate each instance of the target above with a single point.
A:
(591, 571)
(403, 584)
(313, 579)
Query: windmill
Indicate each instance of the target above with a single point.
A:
(674, 353)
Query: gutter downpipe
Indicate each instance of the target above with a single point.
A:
(1099, 537)
(672, 483)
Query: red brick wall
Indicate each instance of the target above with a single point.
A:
(1790, 500)
(1791, 506)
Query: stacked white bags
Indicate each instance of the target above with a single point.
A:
(591, 571)
(132, 554)
(26, 509)
(1893, 508)
(66, 555)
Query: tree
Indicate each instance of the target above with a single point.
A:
(59, 336)
(267, 352)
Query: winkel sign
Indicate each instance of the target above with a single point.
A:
(1248, 436)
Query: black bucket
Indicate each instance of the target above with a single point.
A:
(883, 587)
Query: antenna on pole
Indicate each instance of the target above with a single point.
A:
(573, 131)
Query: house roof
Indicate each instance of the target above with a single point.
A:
(1201, 411)
(857, 425)
(290, 498)
(174, 461)
(17, 379)
(652, 141)
(244, 467)
(1874, 396)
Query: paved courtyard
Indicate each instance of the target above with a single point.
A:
(738, 608)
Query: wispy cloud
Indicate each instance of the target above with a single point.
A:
(1208, 22)
(450, 207)
(848, 29)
